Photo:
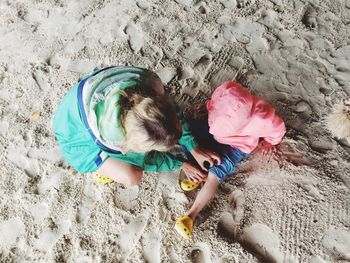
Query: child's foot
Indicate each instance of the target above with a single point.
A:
(184, 226)
(187, 185)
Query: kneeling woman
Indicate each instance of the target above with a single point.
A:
(117, 121)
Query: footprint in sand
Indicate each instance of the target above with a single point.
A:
(151, 246)
(309, 17)
(317, 259)
(184, 2)
(41, 79)
(226, 73)
(258, 239)
(144, 5)
(135, 37)
(17, 155)
(228, 259)
(203, 65)
(185, 73)
(49, 237)
(91, 196)
(46, 240)
(203, 9)
(337, 244)
(39, 211)
(227, 227)
(127, 196)
(236, 202)
(130, 235)
(229, 221)
(236, 62)
(200, 253)
(243, 3)
(262, 242)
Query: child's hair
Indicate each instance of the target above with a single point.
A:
(150, 122)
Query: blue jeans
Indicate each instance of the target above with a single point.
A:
(230, 156)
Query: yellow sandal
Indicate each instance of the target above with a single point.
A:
(184, 226)
(103, 179)
(187, 185)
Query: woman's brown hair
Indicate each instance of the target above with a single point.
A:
(150, 122)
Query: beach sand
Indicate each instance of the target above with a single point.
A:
(286, 208)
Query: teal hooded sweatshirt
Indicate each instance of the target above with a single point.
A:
(87, 124)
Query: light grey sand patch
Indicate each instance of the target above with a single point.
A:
(39, 211)
(52, 155)
(51, 182)
(4, 127)
(166, 74)
(10, 231)
(193, 53)
(46, 240)
(81, 66)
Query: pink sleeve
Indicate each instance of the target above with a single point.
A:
(273, 128)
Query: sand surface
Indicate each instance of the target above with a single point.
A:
(286, 208)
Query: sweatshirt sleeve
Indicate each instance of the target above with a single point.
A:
(273, 128)
(161, 162)
(187, 140)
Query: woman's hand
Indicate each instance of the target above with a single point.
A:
(203, 156)
(192, 172)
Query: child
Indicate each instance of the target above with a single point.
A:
(236, 122)
(117, 121)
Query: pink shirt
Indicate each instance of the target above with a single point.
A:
(239, 119)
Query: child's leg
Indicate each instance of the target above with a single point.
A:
(121, 172)
(229, 159)
(204, 196)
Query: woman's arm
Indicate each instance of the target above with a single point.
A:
(189, 142)
(151, 161)
(163, 162)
